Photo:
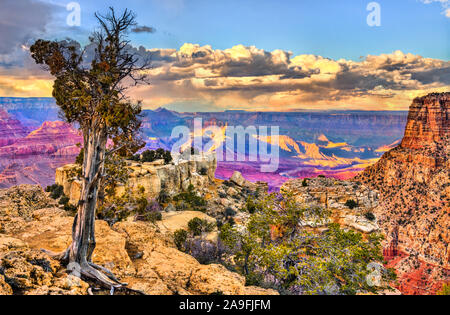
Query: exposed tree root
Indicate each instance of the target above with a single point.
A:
(89, 270)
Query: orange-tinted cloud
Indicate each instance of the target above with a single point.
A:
(251, 78)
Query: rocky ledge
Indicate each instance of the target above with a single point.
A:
(351, 204)
(143, 255)
(154, 177)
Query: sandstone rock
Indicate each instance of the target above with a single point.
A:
(238, 179)
(153, 177)
(5, 289)
(137, 252)
(412, 180)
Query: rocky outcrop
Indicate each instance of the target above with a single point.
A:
(333, 195)
(154, 177)
(428, 121)
(414, 185)
(142, 256)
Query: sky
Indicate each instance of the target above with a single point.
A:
(213, 55)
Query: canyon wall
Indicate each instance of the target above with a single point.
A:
(413, 181)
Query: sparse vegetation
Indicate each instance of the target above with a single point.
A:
(55, 190)
(190, 199)
(274, 250)
(180, 238)
(152, 156)
(351, 204)
(370, 216)
(198, 226)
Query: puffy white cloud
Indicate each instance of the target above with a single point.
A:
(248, 77)
(444, 3)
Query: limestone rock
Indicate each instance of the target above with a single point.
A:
(238, 179)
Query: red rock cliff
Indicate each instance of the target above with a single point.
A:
(413, 180)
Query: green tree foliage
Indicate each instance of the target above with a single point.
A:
(445, 289)
(151, 156)
(190, 199)
(279, 247)
(198, 226)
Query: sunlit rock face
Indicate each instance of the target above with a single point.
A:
(428, 121)
(153, 177)
(413, 180)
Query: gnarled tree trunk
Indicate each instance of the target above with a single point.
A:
(79, 253)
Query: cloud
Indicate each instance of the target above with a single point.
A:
(248, 77)
(20, 22)
(144, 29)
(199, 77)
(444, 3)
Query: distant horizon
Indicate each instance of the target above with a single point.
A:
(299, 110)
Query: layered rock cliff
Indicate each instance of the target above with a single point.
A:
(414, 185)
(154, 177)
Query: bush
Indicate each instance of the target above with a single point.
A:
(55, 190)
(370, 216)
(80, 158)
(64, 200)
(250, 206)
(149, 211)
(198, 226)
(151, 156)
(203, 171)
(190, 197)
(180, 237)
(229, 212)
(351, 204)
(305, 183)
(70, 208)
(206, 252)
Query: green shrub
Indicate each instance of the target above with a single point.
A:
(250, 205)
(351, 204)
(80, 158)
(370, 216)
(151, 156)
(190, 197)
(198, 226)
(305, 183)
(180, 237)
(203, 171)
(70, 208)
(57, 191)
(64, 200)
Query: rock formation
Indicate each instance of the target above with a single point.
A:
(142, 256)
(414, 185)
(333, 195)
(154, 177)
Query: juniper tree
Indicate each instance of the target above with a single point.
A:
(89, 88)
